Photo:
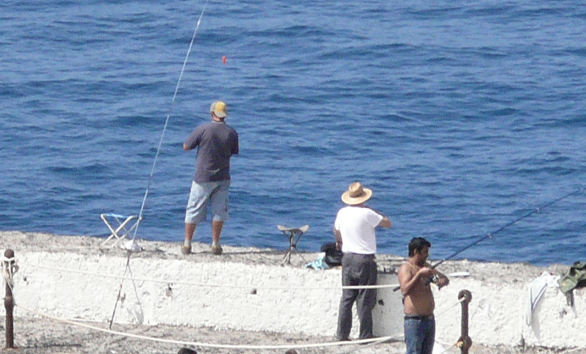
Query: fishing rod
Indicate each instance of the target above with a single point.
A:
(177, 85)
(151, 175)
(491, 234)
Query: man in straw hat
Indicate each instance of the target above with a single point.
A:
(216, 142)
(354, 230)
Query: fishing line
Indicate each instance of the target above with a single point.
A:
(491, 234)
(146, 193)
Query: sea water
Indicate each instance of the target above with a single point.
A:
(461, 116)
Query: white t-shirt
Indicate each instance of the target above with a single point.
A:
(356, 224)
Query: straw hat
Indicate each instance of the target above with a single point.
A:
(356, 194)
(219, 109)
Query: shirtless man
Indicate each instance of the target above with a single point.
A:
(415, 276)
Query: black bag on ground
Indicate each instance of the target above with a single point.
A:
(333, 256)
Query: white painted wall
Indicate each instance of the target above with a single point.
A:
(288, 300)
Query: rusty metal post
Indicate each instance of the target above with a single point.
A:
(8, 265)
(464, 342)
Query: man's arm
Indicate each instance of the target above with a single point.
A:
(193, 139)
(385, 222)
(407, 280)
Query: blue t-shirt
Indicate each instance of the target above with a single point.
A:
(216, 142)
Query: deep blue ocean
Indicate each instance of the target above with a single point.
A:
(461, 116)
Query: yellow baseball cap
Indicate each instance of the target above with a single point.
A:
(219, 109)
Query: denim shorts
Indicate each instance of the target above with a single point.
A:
(212, 194)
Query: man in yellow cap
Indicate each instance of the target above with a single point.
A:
(216, 142)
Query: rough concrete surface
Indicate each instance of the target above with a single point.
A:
(36, 334)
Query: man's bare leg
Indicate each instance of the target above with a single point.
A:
(216, 231)
(189, 230)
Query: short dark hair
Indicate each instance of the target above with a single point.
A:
(417, 244)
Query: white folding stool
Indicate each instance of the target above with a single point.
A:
(121, 229)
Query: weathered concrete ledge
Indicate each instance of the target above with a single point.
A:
(247, 289)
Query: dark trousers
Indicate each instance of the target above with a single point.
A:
(357, 269)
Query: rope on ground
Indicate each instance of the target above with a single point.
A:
(447, 347)
(368, 342)
(207, 345)
(449, 308)
(8, 260)
(9, 267)
(181, 282)
(372, 344)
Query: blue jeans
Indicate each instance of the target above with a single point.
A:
(419, 334)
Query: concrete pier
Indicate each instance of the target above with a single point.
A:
(246, 289)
